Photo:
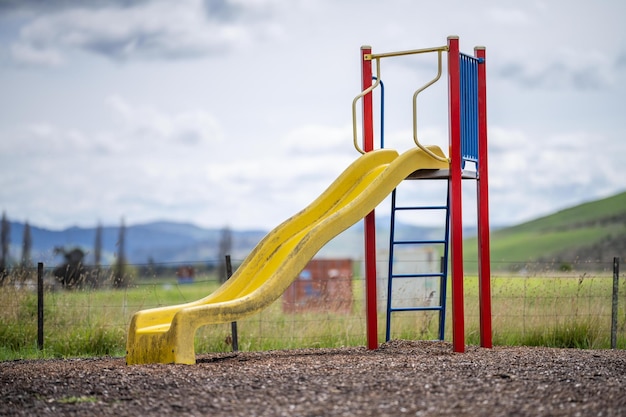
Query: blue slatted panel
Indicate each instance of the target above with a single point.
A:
(469, 108)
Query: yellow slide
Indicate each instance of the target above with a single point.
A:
(166, 334)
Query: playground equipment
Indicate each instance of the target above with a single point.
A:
(467, 143)
(166, 335)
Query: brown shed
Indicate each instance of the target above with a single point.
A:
(324, 285)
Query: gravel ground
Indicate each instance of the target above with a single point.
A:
(401, 378)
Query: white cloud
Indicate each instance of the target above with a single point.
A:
(150, 156)
(255, 133)
(561, 70)
(175, 164)
(150, 125)
(536, 175)
(150, 30)
(315, 139)
(507, 17)
(28, 54)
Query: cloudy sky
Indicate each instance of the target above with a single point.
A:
(238, 112)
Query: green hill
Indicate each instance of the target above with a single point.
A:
(586, 236)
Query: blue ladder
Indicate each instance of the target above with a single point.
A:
(442, 275)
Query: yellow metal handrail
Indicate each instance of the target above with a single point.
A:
(419, 90)
(356, 99)
(408, 52)
(377, 58)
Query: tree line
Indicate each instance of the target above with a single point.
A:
(5, 242)
(73, 272)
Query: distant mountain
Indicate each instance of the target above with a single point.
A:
(160, 242)
(590, 231)
(170, 242)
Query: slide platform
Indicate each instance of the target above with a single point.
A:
(166, 334)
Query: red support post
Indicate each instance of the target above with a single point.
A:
(482, 188)
(456, 191)
(370, 219)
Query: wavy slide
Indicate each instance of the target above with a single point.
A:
(166, 334)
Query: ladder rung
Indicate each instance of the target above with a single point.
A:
(433, 308)
(418, 242)
(425, 275)
(421, 208)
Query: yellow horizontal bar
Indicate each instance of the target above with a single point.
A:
(369, 57)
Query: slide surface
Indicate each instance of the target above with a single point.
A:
(166, 334)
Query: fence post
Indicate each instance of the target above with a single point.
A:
(233, 325)
(40, 306)
(614, 303)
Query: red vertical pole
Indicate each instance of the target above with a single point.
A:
(482, 185)
(368, 113)
(456, 215)
(370, 219)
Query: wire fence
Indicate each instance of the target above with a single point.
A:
(537, 305)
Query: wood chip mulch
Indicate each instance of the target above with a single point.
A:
(401, 378)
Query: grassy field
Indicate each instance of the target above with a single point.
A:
(558, 310)
(532, 245)
(584, 214)
(576, 231)
(532, 304)
(565, 310)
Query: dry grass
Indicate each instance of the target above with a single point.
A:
(560, 311)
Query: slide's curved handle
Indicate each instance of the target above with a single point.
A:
(356, 99)
(419, 90)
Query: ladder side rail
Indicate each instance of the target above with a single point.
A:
(444, 270)
(392, 227)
